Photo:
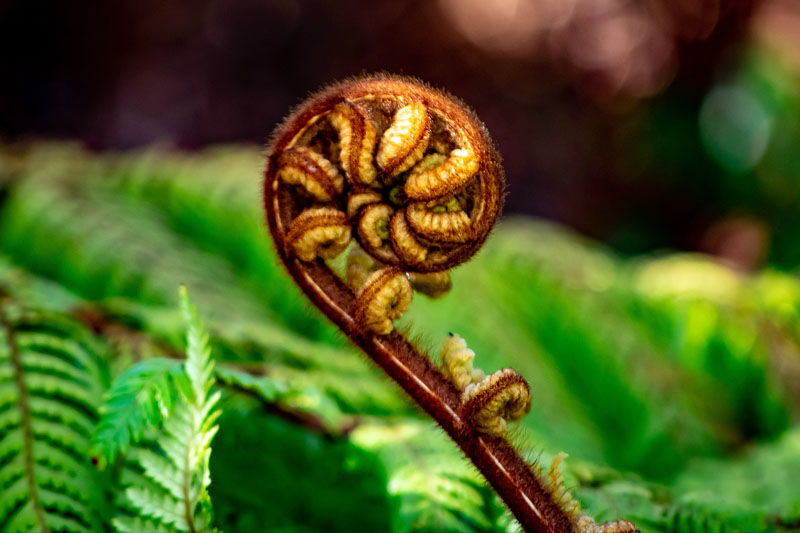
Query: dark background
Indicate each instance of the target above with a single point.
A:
(595, 104)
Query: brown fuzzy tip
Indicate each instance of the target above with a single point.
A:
(385, 297)
(404, 143)
(445, 178)
(405, 146)
(433, 285)
(502, 397)
(319, 232)
(373, 232)
(357, 200)
(357, 142)
(312, 171)
(451, 227)
(585, 524)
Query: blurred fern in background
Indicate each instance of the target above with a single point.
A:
(673, 382)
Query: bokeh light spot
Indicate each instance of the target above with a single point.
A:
(734, 127)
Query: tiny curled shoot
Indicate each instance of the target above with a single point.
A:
(583, 523)
(457, 360)
(406, 180)
(498, 398)
(489, 401)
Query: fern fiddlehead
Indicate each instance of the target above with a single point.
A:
(412, 176)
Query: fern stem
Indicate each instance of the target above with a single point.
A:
(500, 463)
(25, 419)
(432, 219)
(188, 505)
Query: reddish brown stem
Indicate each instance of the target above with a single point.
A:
(504, 468)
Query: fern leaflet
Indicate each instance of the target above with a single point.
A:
(49, 389)
(139, 399)
(177, 469)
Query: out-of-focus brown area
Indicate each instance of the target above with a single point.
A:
(595, 104)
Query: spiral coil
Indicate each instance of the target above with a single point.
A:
(407, 179)
(400, 169)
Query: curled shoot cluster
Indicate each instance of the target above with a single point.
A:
(410, 176)
(582, 523)
(406, 180)
(489, 401)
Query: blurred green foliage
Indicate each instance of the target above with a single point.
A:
(673, 382)
(731, 149)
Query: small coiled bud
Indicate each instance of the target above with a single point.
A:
(357, 200)
(385, 297)
(404, 143)
(583, 523)
(500, 398)
(433, 284)
(357, 142)
(309, 169)
(488, 402)
(556, 481)
(319, 232)
(407, 246)
(446, 222)
(437, 178)
(373, 231)
(457, 363)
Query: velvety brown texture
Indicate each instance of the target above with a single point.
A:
(525, 493)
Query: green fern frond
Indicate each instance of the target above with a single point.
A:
(199, 366)
(126, 524)
(176, 497)
(51, 380)
(162, 508)
(110, 247)
(708, 317)
(139, 399)
(297, 368)
(37, 293)
(632, 369)
(208, 196)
